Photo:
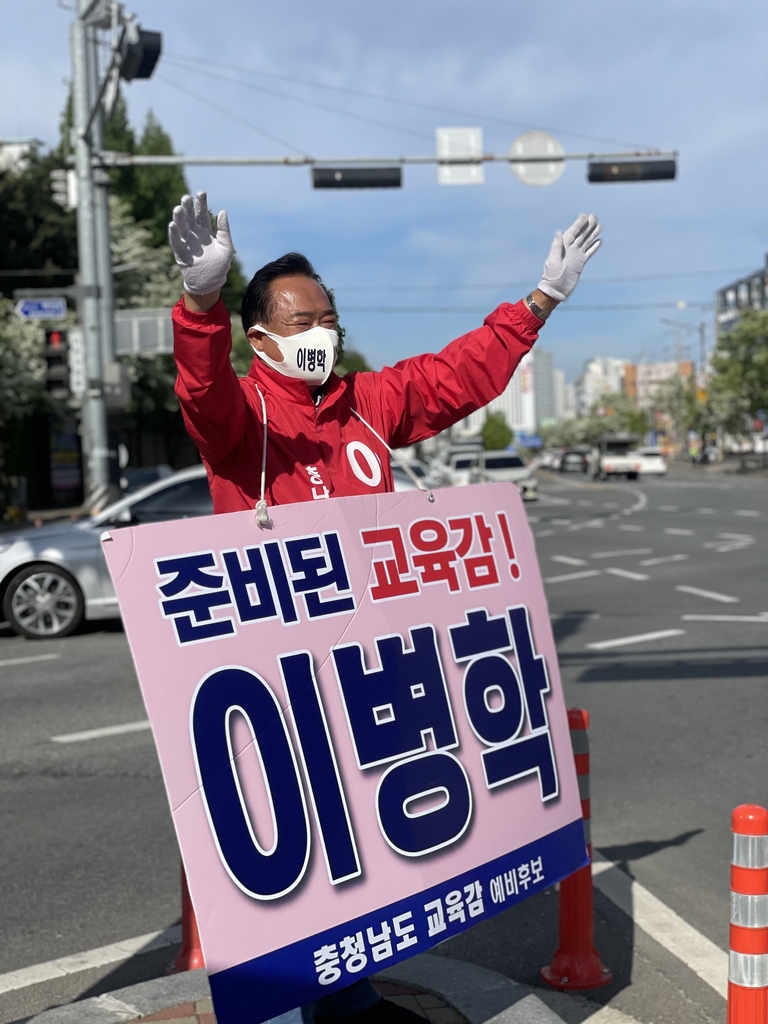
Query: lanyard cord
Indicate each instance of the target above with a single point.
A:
(403, 465)
(262, 515)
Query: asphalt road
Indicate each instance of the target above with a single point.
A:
(678, 735)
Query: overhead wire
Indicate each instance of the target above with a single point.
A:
(234, 117)
(196, 61)
(568, 308)
(305, 102)
(499, 286)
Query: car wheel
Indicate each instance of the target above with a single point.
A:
(43, 602)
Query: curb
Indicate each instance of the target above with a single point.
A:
(477, 993)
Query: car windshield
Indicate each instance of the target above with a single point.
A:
(177, 501)
(504, 462)
(465, 463)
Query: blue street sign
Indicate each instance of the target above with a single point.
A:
(42, 309)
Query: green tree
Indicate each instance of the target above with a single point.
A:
(36, 233)
(739, 384)
(676, 398)
(495, 433)
(352, 361)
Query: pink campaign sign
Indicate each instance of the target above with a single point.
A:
(360, 722)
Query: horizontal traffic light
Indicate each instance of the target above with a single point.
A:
(357, 177)
(632, 170)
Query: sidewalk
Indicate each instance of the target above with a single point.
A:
(439, 988)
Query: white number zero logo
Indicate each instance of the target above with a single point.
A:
(364, 463)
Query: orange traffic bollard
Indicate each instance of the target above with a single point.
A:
(748, 957)
(576, 964)
(190, 956)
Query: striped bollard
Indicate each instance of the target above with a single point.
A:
(576, 963)
(748, 957)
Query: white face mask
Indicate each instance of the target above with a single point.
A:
(307, 356)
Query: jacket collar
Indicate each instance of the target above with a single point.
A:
(293, 390)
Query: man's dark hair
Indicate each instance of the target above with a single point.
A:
(258, 303)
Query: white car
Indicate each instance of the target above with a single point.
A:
(504, 465)
(54, 576)
(652, 462)
(461, 466)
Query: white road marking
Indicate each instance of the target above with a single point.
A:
(639, 638)
(619, 554)
(674, 532)
(669, 508)
(627, 575)
(633, 529)
(31, 658)
(711, 595)
(38, 973)
(746, 512)
(567, 560)
(534, 519)
(706, 511)
(545, 533)
(665, 558)
(659, 921)
(585, 504)
(730, 542)
(572, 576)
(96, 734)
(561, 522)
(762, 618)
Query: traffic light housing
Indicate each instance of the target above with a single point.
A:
(57, 365)
(140, 52)
(632, 170)
(357, 177)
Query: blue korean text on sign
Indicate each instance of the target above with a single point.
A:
(42, 309)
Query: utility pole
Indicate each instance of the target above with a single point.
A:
(94, 412)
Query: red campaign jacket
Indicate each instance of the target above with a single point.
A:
(325, 451)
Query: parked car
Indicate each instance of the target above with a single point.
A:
(652, 462)
(54, 576)
(574, 460)
(506, 465)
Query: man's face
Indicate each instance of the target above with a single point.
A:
(298, 303)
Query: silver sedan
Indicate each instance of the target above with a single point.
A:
(54, 576)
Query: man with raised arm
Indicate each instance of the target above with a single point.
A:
(326, 436)
(291, 430)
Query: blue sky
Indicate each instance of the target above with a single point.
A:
(676, 74)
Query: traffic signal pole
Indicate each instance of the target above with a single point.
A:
(101, 208)
(94, 412)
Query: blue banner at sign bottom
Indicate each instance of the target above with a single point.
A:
(330, 960)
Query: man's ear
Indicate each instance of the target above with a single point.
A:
(256, 338)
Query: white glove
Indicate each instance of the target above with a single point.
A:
(570, 251)
(204, 256)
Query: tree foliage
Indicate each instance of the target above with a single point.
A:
(740, 371)
(36, 233)
(612, 414)
(496, 433)
(22, 365)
